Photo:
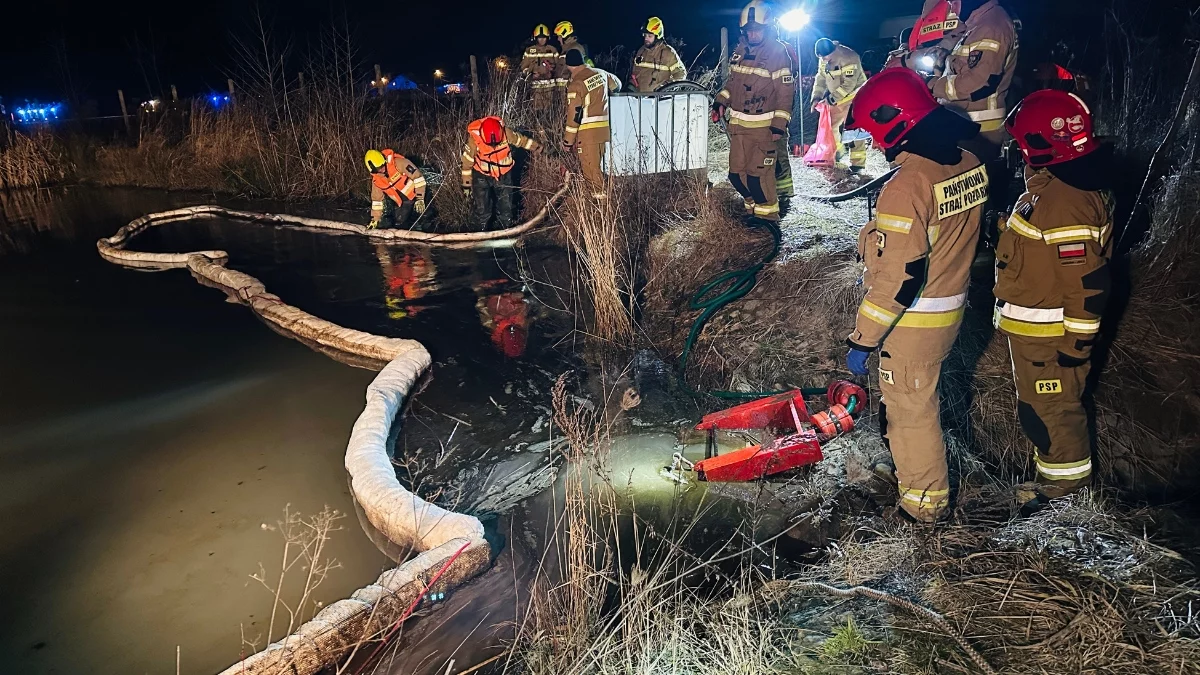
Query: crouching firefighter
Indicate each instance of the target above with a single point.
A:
(397, 189)
(839, 77)
(1052, 284)
(758, 98)
(487, 177)
(918, 253)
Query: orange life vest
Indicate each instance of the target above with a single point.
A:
(395, 181)
(492, 160)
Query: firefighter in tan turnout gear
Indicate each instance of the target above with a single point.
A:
(839, 77)
(587, 131)
(980, 68)
(758, 99)
(1052, 283)
(540, 64)
(918, 253)
(656, 62)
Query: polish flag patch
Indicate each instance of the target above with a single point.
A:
(1072, 252)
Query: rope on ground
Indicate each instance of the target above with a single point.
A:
(902, 603)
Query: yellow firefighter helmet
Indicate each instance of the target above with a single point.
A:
(541, 30)
(757, 12)
(654, 27)
(563, 29)
(374, 160)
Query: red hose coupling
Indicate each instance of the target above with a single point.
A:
(840, 391)
(836, 420)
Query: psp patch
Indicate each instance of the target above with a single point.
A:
(788, 79)
(1072, 254)
(1048, 386)
(886, 376)
(594, 82)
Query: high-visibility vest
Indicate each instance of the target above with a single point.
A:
(395, 181)
(491, 160)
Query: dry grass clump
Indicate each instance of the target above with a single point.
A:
(31, 160)
(787, 331)
(1075, 589)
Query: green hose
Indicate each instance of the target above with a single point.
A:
(737, 284)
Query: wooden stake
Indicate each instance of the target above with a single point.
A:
(723, 64)
(230, 83)
(474, 82)
(124, 112)
(378, 79)
(174, 94)
(301, 79)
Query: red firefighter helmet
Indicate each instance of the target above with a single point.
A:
(510, 337)
(1052, 127)
(492, 130)
(890, 104)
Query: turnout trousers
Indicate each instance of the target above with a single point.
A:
(1051, 413)
(857, 149)
(591, 155)
(752, 160)
(491, 197)
(910, 366)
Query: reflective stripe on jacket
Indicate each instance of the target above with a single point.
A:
(841, 76)
(980, 67)
(1052, 276)
(587, 105)
(491, 160)
(655, 66)
(759, 91)
(918, 250)
(401, 180)
(542, 65)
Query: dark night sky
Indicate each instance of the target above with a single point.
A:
(142, 45)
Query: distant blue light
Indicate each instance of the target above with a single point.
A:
(35, 112)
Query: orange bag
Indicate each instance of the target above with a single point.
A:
(823, 151)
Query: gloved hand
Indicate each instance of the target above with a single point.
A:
(419, 206)
(718, 112)
(776, 133)
(568, 145)
(856, 361)
(373, 224)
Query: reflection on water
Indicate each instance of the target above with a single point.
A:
(148, 430)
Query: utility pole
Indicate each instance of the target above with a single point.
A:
(124, 112)
(301, 78)
(378, 81)
(174, 94)
(230, 83)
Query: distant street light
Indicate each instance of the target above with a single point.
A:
(438, 74)
(794, 20)
(501, 64)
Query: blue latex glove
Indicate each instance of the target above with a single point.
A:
(856, 362)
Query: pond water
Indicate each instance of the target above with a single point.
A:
(151, 434)
(149, 430)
